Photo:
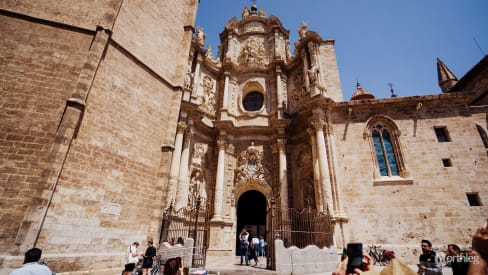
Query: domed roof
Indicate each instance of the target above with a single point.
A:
(361, 93)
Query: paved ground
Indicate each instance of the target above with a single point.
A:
(231, 265)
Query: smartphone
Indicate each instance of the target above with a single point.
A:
(355, 255)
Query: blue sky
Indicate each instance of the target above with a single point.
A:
(377, 41)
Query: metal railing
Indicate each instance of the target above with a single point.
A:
(191, 222)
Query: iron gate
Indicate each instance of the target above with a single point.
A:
(298, 228)
(188, 222)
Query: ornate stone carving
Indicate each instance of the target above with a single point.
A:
(208, 97)
(254, 27)
(253, 53)
(181, 127)
(250, 167)
(199, 155)
(299, 89)
(317, 123)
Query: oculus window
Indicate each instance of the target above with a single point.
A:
(253, 101)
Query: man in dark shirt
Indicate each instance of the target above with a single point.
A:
(459, 263)
(428, 262)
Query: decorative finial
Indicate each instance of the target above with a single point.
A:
(391, 90)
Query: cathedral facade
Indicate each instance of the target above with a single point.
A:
(111, 113)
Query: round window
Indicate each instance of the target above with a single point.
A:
(253, 101)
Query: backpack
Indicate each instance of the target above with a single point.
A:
(244, 242)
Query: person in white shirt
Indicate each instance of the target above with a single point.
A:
(132, 258)
(31, 264)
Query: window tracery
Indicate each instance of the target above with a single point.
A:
(384, 139)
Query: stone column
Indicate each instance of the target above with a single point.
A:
(318, 123)
(175, 162)
(283, 173)
(226, 90)
(319, 199)
(196, 77)
(183, 179)
(336, 191)
(306, 81)
(219, 182)
(278, 87)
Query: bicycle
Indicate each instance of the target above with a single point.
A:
(158, 267)
(381, 257)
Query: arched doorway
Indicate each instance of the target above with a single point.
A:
(251, 214)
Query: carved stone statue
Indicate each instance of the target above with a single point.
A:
(197, 186)
(313, 74)
(246, 12)
(209, 53)
(188, 79)
(262, 13)
(302, 31)
(200, 36)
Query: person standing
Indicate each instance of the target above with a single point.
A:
(31, 264)
(261, 245)
(244, 241)
(255, 250)
(149, 255)
(428, 264)
(459, 263)
(132, 258)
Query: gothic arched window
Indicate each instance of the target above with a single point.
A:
(386, 150)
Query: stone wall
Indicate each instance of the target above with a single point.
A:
(39, 68)
(433, 205)
(87, 113)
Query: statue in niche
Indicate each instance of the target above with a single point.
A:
(298, 90)
(302, 31)
(208, 97)
(313, 73)
(189, 79)
(309, 194)
(200, 36)
(197, 185)
(199, 155)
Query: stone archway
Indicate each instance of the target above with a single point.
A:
(251, 214)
